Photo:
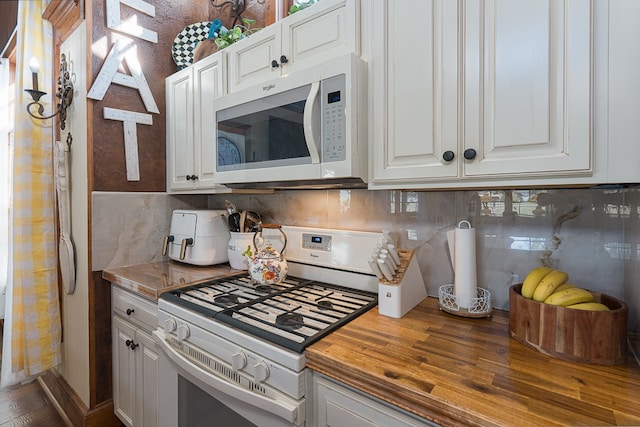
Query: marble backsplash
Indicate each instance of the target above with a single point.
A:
(592, 234)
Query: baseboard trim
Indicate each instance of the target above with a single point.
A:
(71, 408)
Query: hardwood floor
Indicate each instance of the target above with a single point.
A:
(26, 405)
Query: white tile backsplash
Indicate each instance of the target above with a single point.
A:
(592, 234)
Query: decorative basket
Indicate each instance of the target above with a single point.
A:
(593, 337)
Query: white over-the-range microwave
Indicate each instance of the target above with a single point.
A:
(304, 129)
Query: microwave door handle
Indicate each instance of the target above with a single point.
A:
(309, 112)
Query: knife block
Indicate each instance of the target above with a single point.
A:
(407, 289)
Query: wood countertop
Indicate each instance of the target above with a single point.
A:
(151, 279)
(461, 371)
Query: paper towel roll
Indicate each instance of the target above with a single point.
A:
(464, 264)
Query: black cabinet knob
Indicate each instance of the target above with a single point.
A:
(448, 155)
(274, 64)
(131, 344)
(469, 154)
(283, 59)
(192, 177)
(130, 311)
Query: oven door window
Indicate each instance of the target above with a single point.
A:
(196, 408)
(268, 132)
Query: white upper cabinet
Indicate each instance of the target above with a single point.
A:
(477, 92)
(527, 87)
(191, 94)
(325, 30)
(414, 75)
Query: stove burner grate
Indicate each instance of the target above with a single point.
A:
(325, 304)
(227, 300)
(266, 289)
(290, 320)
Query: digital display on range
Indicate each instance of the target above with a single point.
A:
(333, 97)
(316, 239)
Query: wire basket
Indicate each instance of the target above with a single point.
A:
(478, 307)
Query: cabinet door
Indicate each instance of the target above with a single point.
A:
(414, 78)
(328, 29)
(250, 60)
(179, 98)
(124, 378)
(146, 380)
(527, 80)
(208, 85)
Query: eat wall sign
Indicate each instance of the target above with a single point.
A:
(125, 49)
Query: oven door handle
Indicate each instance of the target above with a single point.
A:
(289, 412)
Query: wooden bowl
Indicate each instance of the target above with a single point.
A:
(592, 337)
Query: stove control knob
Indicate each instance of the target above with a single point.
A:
(170, 325)
(238, 360)
(261, 372)
(182, 332)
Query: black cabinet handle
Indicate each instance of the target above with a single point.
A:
(192, 177)
(283, 59)
(130, 311)
(274, 64)
(448, 155)
(131, 344)
(469, 153)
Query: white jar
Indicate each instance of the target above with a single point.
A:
(238, 244)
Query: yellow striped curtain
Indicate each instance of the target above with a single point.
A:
(34, 323)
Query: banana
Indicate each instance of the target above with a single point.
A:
(591, 306)
(549, 284)
(569, 296)
(533, 280)
(564, 286)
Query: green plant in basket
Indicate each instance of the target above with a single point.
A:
(302, 4)
(227, 37)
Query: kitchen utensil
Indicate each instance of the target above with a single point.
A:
(243, 218)
(234, 222)
(254, 220)
(267, 265)
(231, 208)
(66, 248)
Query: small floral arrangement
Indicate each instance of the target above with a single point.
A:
(227, 37)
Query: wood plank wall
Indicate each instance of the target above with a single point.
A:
(109, 171)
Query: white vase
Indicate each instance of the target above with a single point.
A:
(238, 244)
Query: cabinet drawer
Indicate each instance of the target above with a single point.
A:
(338, 405)
(137, 310)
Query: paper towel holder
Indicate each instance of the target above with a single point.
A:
(478, 307)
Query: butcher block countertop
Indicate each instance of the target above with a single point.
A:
(152, 279)
(462, 371)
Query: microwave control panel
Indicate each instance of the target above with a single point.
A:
(334, 138)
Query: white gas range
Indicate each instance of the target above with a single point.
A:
(233, 351)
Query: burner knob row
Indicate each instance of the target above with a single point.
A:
(261, 372)
(182, 332)
(238, 360)
(170, 325)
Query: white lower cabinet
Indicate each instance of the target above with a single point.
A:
(135, 359)
(336, 405)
